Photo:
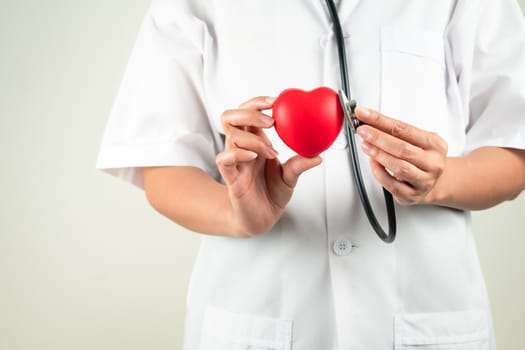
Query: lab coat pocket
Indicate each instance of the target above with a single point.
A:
(224, 330)
(413, 76)
(464, 330)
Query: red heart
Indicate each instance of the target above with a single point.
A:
(308, 121)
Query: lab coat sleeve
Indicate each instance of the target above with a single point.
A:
(487, 40)
(159, 116)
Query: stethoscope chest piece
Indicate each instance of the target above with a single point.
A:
(349, 110)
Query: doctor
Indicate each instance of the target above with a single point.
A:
(288, 259)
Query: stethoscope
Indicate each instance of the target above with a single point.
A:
(350, 125)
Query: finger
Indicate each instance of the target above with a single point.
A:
(402, 170)
(241, 118)
(228, 162)
(297, 165)
(425, 160)
(248, 141)
(259, 102)
(398, 148)
(399, 129)
(402, 192)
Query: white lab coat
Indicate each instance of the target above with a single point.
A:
(321, 279)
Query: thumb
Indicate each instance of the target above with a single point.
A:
(297, 165)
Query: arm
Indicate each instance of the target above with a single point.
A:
(257, 186)
(419, 171)
(481, 179)
(189, 197)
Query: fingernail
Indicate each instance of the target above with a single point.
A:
(273, 152)
(363, 112)
(364, 133)
(251, 155)
(368, 148)
(266, 120)
(270, 99)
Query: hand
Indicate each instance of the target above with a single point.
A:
(407, 161)
(259, 186)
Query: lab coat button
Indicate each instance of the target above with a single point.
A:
(342, 247)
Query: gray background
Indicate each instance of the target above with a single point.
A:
(85, 263)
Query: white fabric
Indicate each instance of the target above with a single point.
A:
(456, 67)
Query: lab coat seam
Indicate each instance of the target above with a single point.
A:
(445, 340)
(414, 54)
(151, 154)
(406, 332)
(414, 42)
(244, 329)
(454, 101)
(208, 46)
(247, 340)
(148, 143)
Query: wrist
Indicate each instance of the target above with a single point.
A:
(233, 225)
(443, 191)
(230, 226)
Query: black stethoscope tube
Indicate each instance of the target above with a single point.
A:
(354, 159)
